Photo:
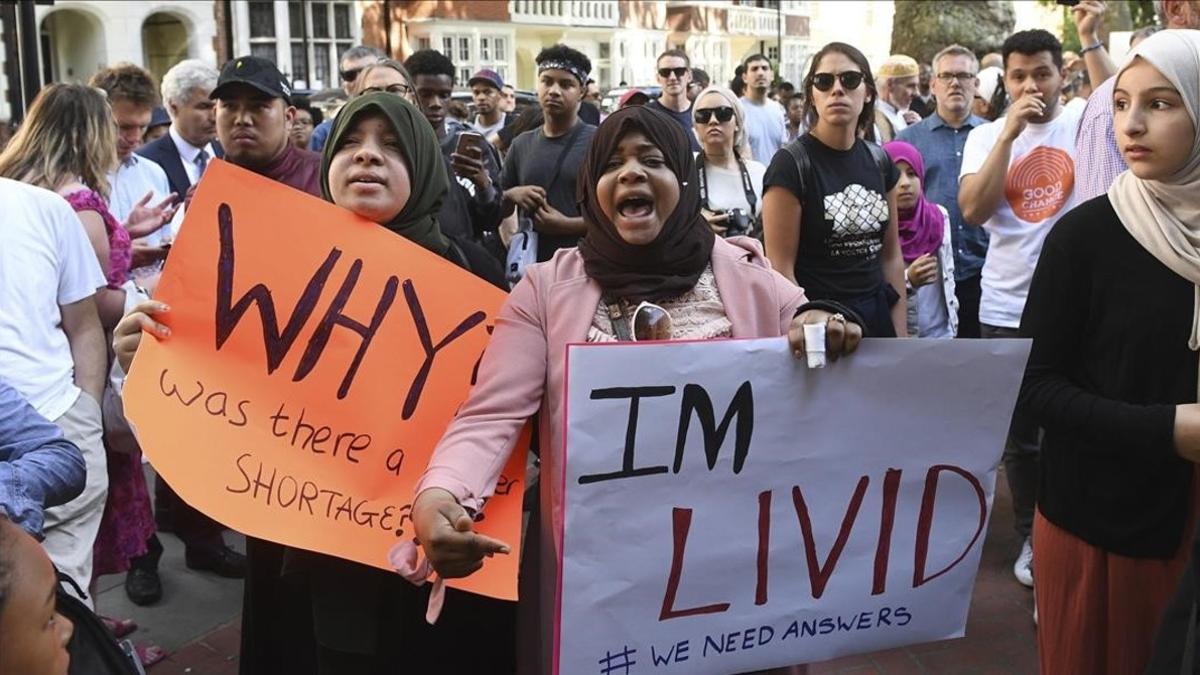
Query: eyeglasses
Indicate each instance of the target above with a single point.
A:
(723, 113)
(350, 75)
(651, 322)
(667, 72)
(850, 80)
(962, 78)
(397, 89)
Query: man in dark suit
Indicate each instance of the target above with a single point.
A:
(190, 143)
(183, 153)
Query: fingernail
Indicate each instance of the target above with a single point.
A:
(505, 549)
(165, 331)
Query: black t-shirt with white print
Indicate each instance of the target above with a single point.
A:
(844, 215)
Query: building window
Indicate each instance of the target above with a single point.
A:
(605, 50)
(320, 19)
(296, 18)
(299, 62)
(264, 51)
(262, 19)
(319, 32)
(470, 53)
(307, 42)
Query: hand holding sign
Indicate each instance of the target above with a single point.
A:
(128, 333)
(304, 387)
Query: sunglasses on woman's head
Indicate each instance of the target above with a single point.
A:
(666, 72)
(850, 80)
(723, 113)
(349, 75)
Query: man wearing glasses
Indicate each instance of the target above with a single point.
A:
(674, 75)
(940, 138)
(353, 61)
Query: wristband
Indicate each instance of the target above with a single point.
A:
(1092, 48)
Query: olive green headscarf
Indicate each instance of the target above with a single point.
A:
(417, 221)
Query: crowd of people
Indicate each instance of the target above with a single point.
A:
(1028, 193)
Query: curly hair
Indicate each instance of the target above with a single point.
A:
(127, 82)
(562, 52)
(1030, 42)
(429, 62)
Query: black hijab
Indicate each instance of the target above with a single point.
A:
(672, 263)
(417, 221)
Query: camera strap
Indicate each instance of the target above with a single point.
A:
(747, 186)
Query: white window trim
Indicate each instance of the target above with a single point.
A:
(283, 37)
(437, 35)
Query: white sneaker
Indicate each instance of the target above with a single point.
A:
(1023, 568)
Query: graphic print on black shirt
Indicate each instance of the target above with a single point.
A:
(858, 215)
(844, 216)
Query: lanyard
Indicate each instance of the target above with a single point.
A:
(746, 185)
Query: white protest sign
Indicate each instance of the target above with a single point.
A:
(729, 509)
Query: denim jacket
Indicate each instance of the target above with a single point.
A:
(39, 468)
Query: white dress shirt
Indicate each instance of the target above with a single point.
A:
(894, 115)
(131, 181)
(188, 153)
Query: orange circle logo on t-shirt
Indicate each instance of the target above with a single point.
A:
(1039, 184)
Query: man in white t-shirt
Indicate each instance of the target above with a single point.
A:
(766, 120)
(1017, 180)
(52, 349)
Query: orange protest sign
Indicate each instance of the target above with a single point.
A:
(315, 360)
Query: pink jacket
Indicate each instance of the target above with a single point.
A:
(522, 373)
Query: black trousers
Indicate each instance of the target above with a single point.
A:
(967, 291)
(194, 529)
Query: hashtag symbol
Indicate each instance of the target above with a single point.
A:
(609, 664)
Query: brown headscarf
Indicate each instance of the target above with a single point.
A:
(673, 262)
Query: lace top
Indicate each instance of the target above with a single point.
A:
(695, 315)
(120, 252)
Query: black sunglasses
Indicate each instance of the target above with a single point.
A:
(724, 114)
(349, 75)
(850, 80)
(666, 72)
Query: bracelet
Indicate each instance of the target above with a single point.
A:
(1092, 48)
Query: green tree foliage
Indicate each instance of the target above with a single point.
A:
(921, 28)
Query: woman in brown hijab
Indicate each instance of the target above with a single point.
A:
(646, 241)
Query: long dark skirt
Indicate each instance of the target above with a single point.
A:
(320, 615)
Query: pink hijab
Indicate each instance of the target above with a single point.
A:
(923, 227)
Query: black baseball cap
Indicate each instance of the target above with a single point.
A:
(256, 72)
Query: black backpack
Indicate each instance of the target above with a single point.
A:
(93, 649)
(804, 165)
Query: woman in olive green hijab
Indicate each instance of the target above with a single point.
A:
(383, 162)
(379, 148)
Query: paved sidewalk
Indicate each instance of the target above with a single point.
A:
(199, 619)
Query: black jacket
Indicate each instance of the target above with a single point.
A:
(162, 151)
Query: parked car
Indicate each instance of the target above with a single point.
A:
(608, 103)
(525, 99)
